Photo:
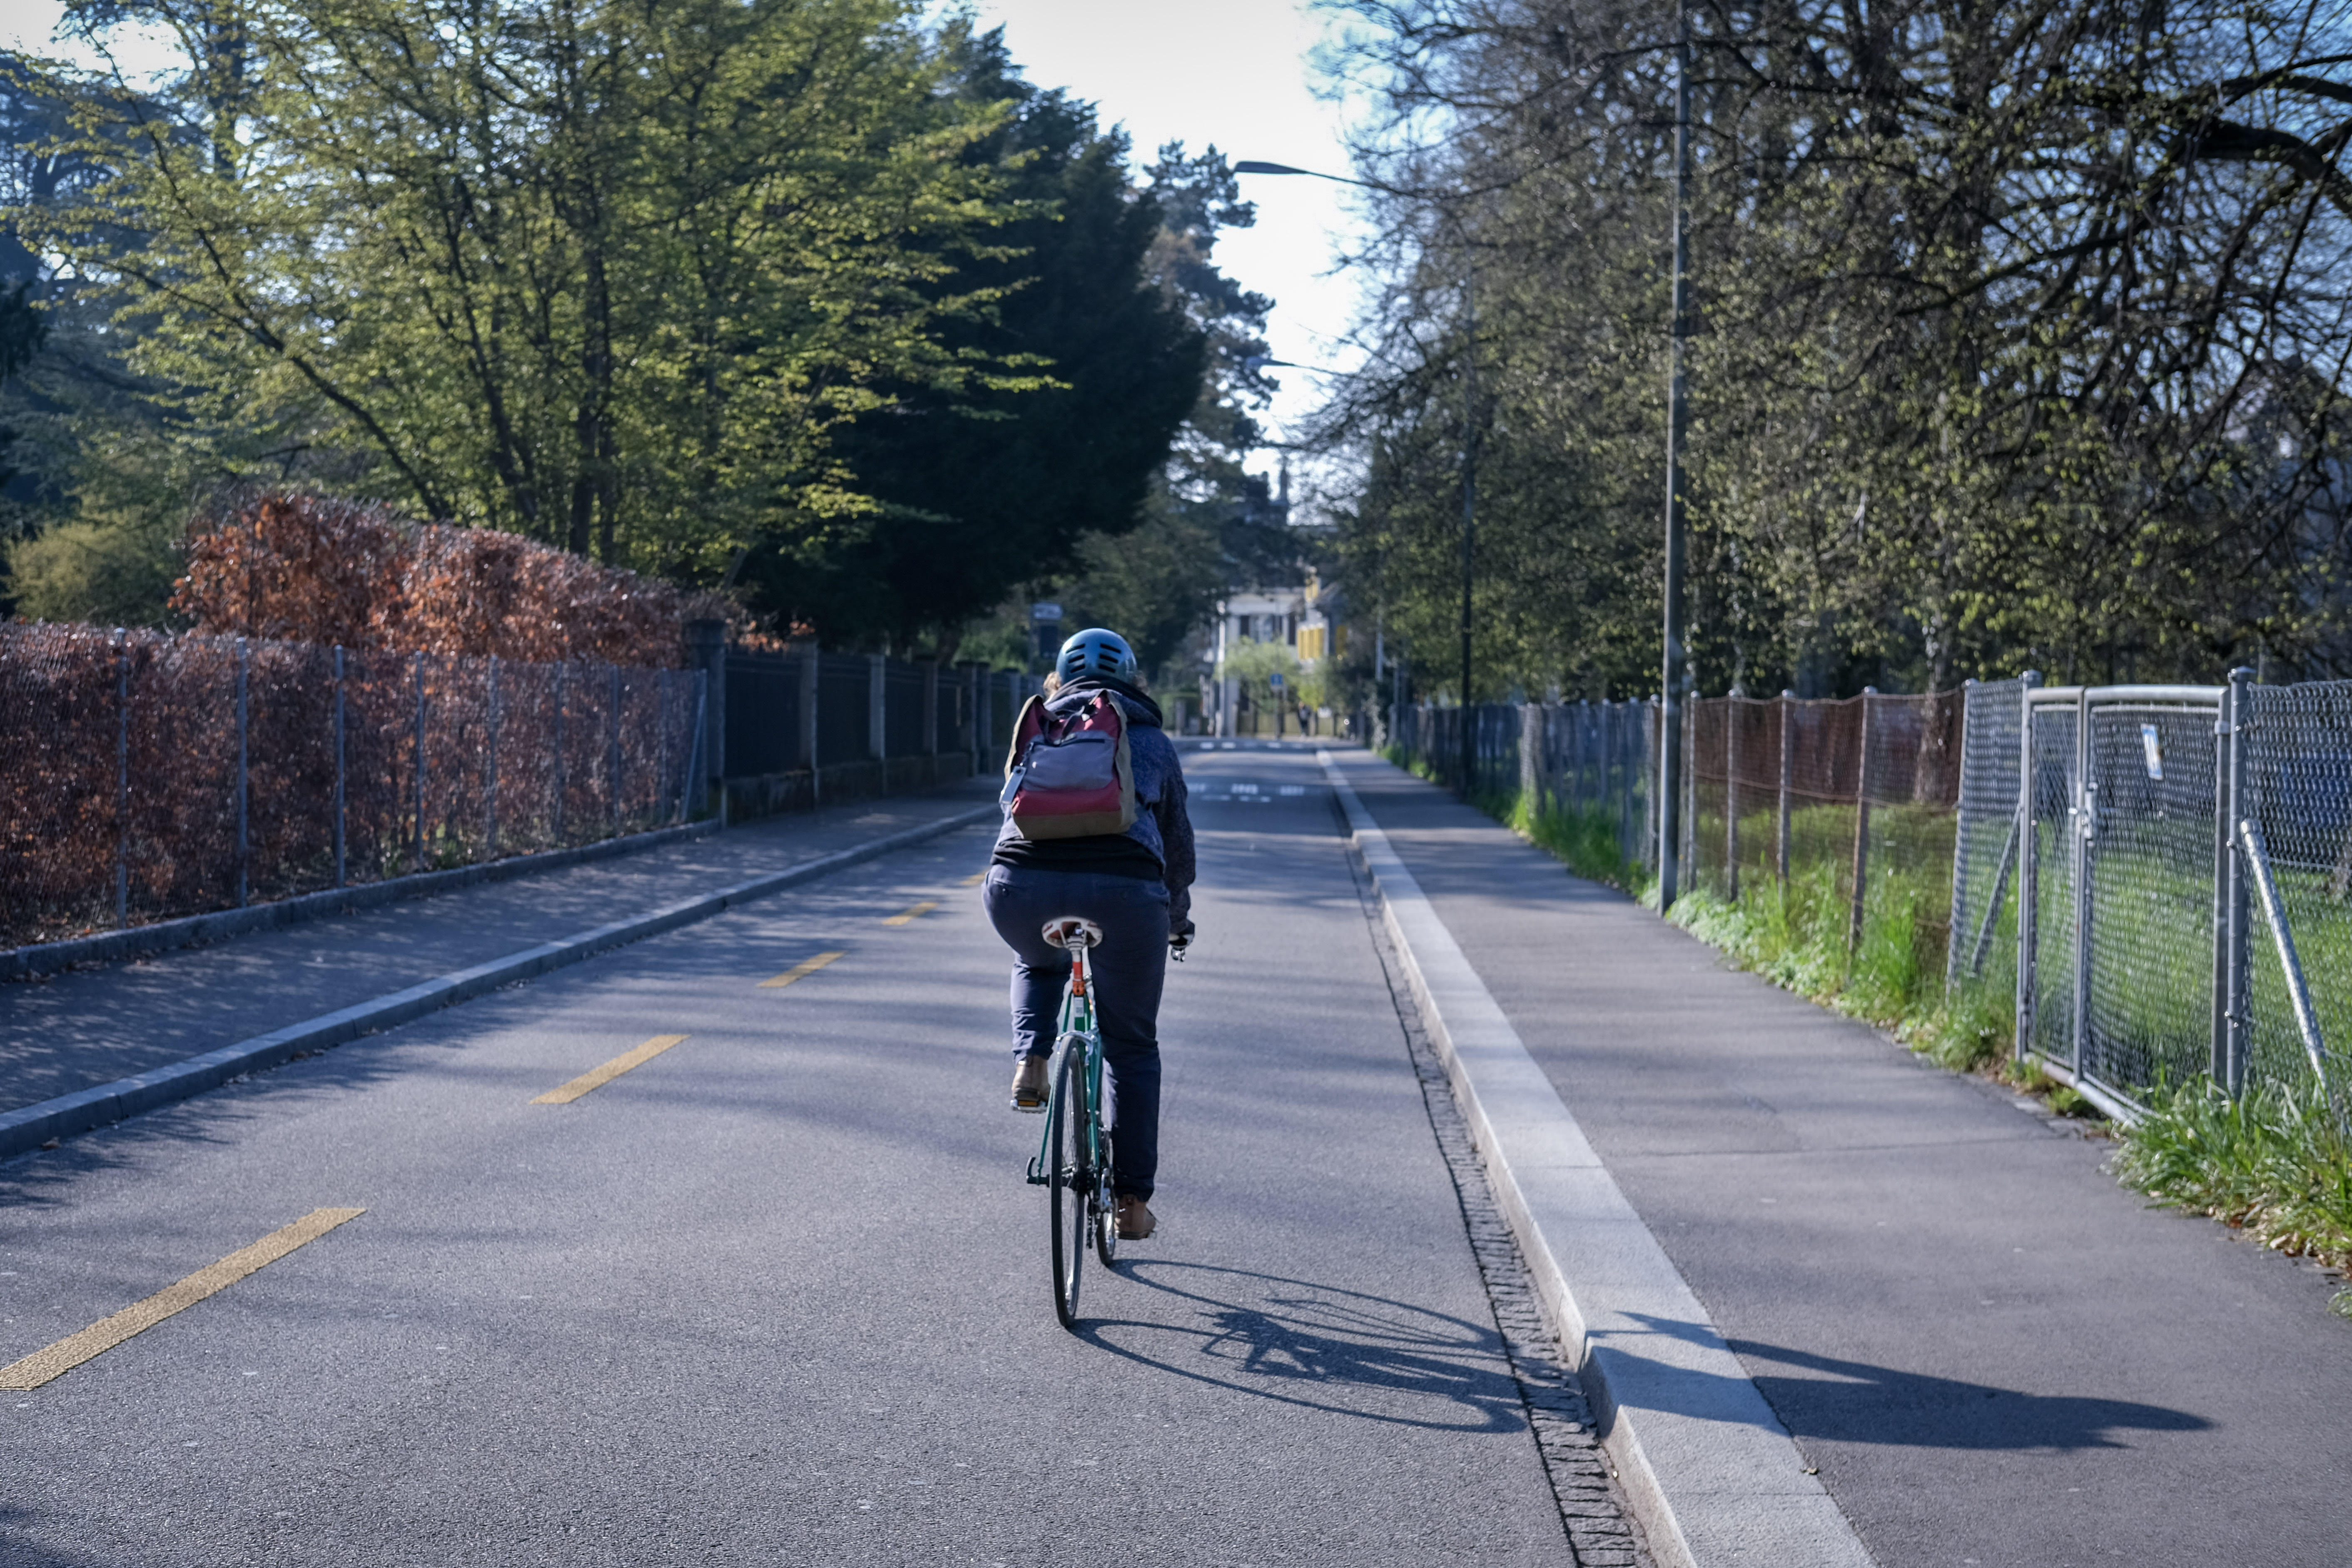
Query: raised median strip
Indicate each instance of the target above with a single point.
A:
(31, 1126)
(1709, 1469)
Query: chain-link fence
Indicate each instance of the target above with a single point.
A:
(1588, 762)
(1582, 772)
(144, 776)
(2148, 882)
(1983, 948)
(2286, 899)
(1835, 822)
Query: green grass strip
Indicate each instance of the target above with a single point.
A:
(2276, 1163)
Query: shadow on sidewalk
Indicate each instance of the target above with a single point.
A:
(1314, 1345)
(1855, 1401)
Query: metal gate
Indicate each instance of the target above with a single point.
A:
(2115, 956)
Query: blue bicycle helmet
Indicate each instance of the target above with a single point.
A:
(1095, 651)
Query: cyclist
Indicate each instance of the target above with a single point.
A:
(1137, 885)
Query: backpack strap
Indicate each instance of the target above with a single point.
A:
(1027, 728)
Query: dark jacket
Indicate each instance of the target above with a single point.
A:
(1159, 846)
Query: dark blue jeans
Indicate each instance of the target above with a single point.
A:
(1129, 969)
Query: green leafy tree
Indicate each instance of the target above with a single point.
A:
(986, 486)
(2021, 338)
(1206, 526)
(611, 275)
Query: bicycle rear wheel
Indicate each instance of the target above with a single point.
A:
(1103, 1207)
(1065, 1146)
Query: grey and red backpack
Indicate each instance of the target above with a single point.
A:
(1068, 775)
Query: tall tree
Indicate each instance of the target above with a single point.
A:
(2022, 333)
(611, 274)
(985, 487)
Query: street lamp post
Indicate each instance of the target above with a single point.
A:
(1670, 708)
(1469, 442)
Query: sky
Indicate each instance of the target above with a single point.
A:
(1233, 74)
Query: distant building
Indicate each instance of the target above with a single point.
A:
(1305, 617)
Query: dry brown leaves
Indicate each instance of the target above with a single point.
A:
(298, 567)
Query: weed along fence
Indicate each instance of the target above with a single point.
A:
(144, 776)
(2138, 884)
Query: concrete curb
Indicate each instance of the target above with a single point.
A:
(106, 947)
(31, 1126)
(1710, 1470)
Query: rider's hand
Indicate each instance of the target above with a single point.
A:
(1179, 940)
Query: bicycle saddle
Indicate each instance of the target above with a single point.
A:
(1069, 930)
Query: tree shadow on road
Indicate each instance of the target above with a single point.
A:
(1317, 1346)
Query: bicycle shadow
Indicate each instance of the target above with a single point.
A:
(1302, 1343)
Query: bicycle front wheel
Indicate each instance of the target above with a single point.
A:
(1065, 1146)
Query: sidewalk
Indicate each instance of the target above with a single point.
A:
(71, 1031)
(1994, 1353)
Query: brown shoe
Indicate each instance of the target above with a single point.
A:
(1029, 1085)
(1135, 1221)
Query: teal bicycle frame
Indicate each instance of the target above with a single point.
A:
(1078, 1032)
(1075, 1166)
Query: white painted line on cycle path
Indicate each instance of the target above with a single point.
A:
(1711, 1471)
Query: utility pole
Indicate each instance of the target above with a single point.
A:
(1469, 503)
(1670, 707)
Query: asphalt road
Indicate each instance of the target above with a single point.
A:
(778, 1293)
(69, 1031)
(1998, 1357)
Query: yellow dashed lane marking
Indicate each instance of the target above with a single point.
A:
(903, 916)
(107, 1332)
(805, 968)
(975, 879)
(597, 1077)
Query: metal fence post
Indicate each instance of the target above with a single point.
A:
(122, 778)
(1961, 837)
(2299, 992)
(687, 797)
(342, 797)
(614, 745)
(418, 661)
(243, 785)
(562, 699)
(975, 715)
(2029, 871)
(931, 667)
(490, 776)
(1731, 795)
(2084, 818)
(2238, 1016)
(1687, 792)
(662, 711)
(810, 686)
(1861, 831)
(1787, 773)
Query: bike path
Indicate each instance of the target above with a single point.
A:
(1995, 1354)
(780, 1294)
(71, 1031)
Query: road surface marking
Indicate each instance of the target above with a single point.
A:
(107, 1332)
(807, 966)
(903, 916)
(597, 1077)
(975, 879)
